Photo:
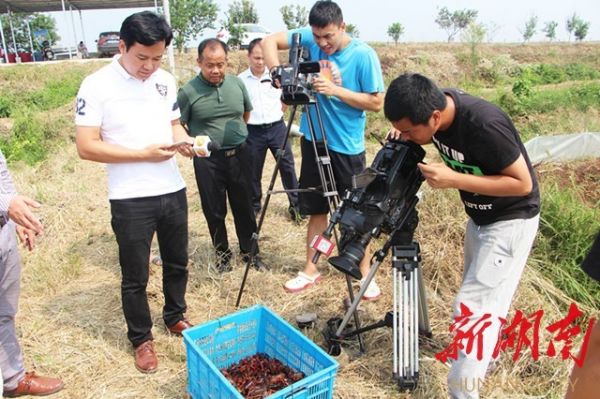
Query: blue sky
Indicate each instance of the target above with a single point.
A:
(372, 18)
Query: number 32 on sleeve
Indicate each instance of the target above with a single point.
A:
(80, 106)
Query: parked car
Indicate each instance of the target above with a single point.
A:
(108, 44)
(251, 32)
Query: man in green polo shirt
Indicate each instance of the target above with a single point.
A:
(217, 105)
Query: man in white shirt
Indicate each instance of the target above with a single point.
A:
(266, 129)
(127, 117)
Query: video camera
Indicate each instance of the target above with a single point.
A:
(296, 77)
(382, 200)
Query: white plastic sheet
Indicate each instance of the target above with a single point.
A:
(565, 147)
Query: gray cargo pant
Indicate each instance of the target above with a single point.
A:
(11, 359)
(495, 256)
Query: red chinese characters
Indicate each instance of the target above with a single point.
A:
(519, 334)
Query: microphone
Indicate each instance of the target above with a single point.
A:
(203, 146)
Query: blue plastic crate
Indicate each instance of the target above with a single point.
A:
(220, 343)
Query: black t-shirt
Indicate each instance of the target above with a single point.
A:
(482, 140)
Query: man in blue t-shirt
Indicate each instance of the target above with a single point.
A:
(350, 82)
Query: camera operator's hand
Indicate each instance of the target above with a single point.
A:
(394, 134)
(438, 175)
(325, 86)
(275, 77)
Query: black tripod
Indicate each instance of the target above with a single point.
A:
(409, 315)
(326, 176)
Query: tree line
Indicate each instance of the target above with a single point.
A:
(189, 18)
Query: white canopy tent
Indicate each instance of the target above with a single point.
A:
(30, 6)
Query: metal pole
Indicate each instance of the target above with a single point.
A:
(12, 32)
(73, 27)
(30, 39)
(3, 42)
(66, 23)
(170, 53)
(82, 29)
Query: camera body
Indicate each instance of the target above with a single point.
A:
(296, 77)
(382, 200)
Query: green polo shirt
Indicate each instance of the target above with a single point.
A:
(215, 110)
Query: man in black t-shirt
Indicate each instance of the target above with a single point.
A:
(486, 161)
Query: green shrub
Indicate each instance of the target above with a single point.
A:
(6, 104)
(55, 93)
(541, 74)
(33, 135)
(525, 100)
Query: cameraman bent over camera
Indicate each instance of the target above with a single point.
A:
(486, 161)
(349, 84)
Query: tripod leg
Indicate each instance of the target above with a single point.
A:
(355, 314)
(352, 310)
(424, 327)
(406, 301)
(397, 295)
(264, 211)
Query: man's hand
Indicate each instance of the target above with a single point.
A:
(19, 212)
(325, 86)
(275, 77)
(394, 134)
(438, 175)
(158, 152)
(184, 148)
(26, 236)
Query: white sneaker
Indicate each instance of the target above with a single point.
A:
(373, 292)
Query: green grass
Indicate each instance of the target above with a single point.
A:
(32, 97)
(524, 99)
(567, 228)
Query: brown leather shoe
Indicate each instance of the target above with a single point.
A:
(178, 327)
(145, 357)
(35, 385)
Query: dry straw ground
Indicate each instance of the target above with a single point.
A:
(71, 324)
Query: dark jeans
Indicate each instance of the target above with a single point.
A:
(261, 138)
(226, 174)
(134, 222)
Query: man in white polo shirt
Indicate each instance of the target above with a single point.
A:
(266, 129)
(127, 117)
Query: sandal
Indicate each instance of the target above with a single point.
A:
(301, 282)
(372, 293)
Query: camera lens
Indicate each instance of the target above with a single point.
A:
(349, 259)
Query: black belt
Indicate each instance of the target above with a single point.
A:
(230, 152)
(267, 125)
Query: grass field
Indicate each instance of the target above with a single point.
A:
(70, 320)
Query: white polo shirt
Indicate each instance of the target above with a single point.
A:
(134, 114)
(266, 100)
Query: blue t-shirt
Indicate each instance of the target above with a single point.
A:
(357, 68)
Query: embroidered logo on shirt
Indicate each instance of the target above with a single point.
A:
(162, 89)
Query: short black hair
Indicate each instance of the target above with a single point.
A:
(413, 96)
(210, 43)
(145, 28)
(254, 43)
(324, 13)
